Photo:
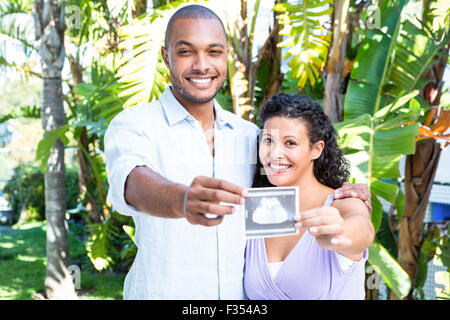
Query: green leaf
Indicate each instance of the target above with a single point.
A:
(372, 66)
(130, 231)
(386, 190)
(400, 204)
(45, 145)
(377, 212)
(304, 37)
(390, 270)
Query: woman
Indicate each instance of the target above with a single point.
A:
(326, 259)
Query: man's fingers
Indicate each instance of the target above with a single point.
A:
(352, 194)
(217, 195)
(197, 218)
(214, 183)
(213, 208)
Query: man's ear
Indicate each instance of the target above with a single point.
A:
(317, 149)
(165, 56)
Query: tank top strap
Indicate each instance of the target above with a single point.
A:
(329, 200)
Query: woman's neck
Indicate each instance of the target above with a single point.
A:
(312, 193)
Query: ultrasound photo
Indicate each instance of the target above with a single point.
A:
(269, 212)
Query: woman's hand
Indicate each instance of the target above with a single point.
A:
(326, 225)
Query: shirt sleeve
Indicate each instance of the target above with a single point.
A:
(126, 147)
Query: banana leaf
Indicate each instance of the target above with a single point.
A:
(371, 70)
(306, 44)
(374, 148)
(392, 273)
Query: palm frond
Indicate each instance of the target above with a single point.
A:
(142, 72)
(306, 39)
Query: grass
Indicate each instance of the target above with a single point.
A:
(23, 259)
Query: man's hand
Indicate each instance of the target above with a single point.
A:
(358, 190)
(203, 197)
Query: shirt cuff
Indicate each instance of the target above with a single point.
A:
(116, 192)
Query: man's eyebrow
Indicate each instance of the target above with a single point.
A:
(221, 45)
(187, 43)
(181, 42)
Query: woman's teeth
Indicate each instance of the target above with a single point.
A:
(279, 167)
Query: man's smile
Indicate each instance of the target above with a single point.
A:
(201, 82)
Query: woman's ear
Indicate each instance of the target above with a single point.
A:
(317, 149)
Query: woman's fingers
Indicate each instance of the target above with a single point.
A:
(340, 242)
(332, 229)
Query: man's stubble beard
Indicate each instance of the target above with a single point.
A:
(187, 96)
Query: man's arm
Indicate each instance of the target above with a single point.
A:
(150, 192)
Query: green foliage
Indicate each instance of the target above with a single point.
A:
(23, 260)
(306, 40)
(142, 72)
(107, 247)
(25, 191)
(373, 63)
(375, 144)
(389, 269)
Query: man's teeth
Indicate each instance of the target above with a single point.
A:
(201, 81)
(279, 167)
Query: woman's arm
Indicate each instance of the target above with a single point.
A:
(345, 227)
(357, 227)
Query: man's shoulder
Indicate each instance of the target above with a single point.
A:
(136, 113)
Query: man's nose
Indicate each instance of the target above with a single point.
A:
(201, 63)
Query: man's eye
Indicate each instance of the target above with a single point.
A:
(215, 51)
(184, 52)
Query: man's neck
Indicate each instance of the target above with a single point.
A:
(202, 112)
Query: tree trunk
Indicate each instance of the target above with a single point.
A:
(49, 26)
(420, 170)
(336, 62)
(272, 53)
(419, 176)
(85, 171)
(140, 7)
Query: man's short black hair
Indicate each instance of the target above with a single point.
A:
(193, 11)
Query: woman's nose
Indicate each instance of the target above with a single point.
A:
(276, 151)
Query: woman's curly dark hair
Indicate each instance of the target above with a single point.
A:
(331, 168)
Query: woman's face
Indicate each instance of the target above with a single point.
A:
(286, 152)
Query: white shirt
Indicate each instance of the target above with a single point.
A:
(177, 260)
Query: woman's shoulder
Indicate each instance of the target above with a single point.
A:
(349, 205)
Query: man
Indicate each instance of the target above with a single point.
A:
(179, 166)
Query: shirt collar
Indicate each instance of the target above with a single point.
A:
(175, 112)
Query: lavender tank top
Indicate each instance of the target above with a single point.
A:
(309, 272)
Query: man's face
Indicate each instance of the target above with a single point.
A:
(197, 59)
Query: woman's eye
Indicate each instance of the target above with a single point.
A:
(290, 143)
(267, 140)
